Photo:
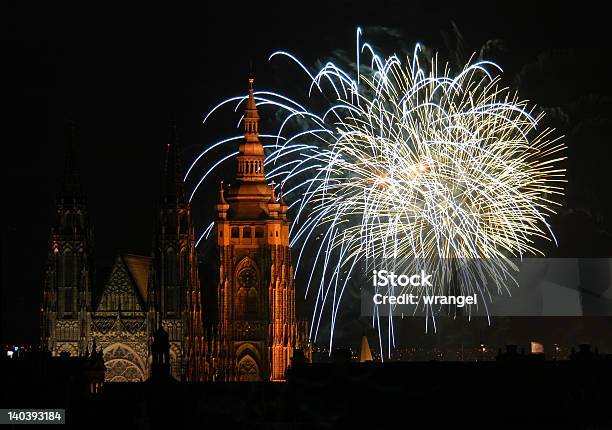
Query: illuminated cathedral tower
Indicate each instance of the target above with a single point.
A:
(255, 326)
(175, 300)
(67, 295)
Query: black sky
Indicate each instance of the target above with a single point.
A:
(124, 71)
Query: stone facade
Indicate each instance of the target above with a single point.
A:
(141, 293)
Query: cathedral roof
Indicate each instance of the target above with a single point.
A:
(248, 201)
(139, 267)
(129, 275)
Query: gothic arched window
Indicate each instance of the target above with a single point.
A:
(123, 364)
(248, 370)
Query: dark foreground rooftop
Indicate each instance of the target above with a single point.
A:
(516, 391)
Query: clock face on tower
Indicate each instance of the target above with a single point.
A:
(247, 278)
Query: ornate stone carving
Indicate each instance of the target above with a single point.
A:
(248, 370)
(124, 363)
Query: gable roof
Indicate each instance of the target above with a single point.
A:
(139, 267)
(126, 287)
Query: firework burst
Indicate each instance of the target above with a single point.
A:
(411, 166)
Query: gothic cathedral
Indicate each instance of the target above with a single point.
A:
(246, 331)
(140, 296)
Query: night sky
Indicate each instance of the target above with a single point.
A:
(124, 72)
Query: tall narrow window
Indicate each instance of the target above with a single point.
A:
(251, 304)
(69, 269)
(68, 301)
(171, 299)
(171, 268)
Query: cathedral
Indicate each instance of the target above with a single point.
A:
(244, 329)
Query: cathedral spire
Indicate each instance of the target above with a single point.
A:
(173, 190)
(222, 194)
(67, 289)
(71, 181)
(222, 206)
(251, 105)
(251, 157)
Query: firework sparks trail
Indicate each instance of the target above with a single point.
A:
(409, 167)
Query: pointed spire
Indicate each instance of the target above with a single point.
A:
(365, 354)
(283, 206)
(251, 116)
(221, 195)
(272, 196)
(173, 190)
(71, 181)
(222, 206)
(251, 108)
(251, 157)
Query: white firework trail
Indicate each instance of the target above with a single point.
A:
(409, 167)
